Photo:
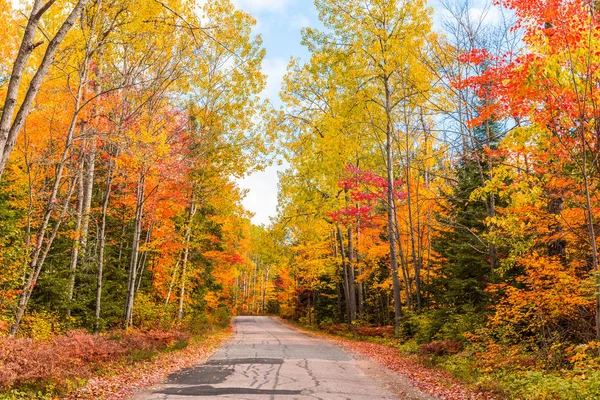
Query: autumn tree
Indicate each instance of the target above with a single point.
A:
(370, 92)
(548, 91)
(11, 125)
(124, 161)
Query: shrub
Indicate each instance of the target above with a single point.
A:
(286, 311)
(375, 331)
(584, 356)
(179, 345)
(440, 324)
(42, 325)
(75, 355)
(409, 347)
(544, 385)
(198, 324)
(4, 326)
(336, 328)
(440, 348)
(422, 327)
(323, 323)
(148, 313)
(221, 317)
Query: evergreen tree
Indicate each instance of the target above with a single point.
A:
(465, 264)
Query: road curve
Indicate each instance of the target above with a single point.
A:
(266, 360)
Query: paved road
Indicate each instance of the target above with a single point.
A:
(266, 360)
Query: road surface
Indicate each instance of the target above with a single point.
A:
(266, 360)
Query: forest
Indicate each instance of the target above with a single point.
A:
(439, 187)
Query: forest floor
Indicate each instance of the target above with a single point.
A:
(122, 377)
(429, 379)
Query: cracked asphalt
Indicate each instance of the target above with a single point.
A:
(266, 360)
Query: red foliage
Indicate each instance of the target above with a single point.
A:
(369, 331)
(365, 189)
(475, 56)
(375, 331)
(441, 348)
(76, 354)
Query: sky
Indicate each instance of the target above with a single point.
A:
(280, 23)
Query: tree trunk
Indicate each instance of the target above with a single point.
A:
(84, 204)
(254, 286)
(102, 239)
(392, 207)
(266, 296)
(415, 256)
(360, 285)
(345, 272)
(492, 202)
(351, 278)
(77, 240)
(88, 190)
(186, 252)
(244, 297)
(592, 234)
(403, 266)
(172, 284)
(338, 285)
(36, 265)
(137, 230)
(558, 246)
(144, 259)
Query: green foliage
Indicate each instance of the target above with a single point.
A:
(13, 250)
(179, 345)
(440, 324)
(140, 355)
(409, 347)
(27, 393)
(273, 307)
(199, 324)
(464, 267)
(221, 317)
(543, 385)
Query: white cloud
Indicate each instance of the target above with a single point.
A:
(490, 15)
(262, 194)
(300, 21)
(275, 69)
(263, 5)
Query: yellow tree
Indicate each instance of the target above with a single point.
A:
(372, 58)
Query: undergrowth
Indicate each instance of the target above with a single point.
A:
(55, 366)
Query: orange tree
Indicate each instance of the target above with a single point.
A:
(550, 175)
